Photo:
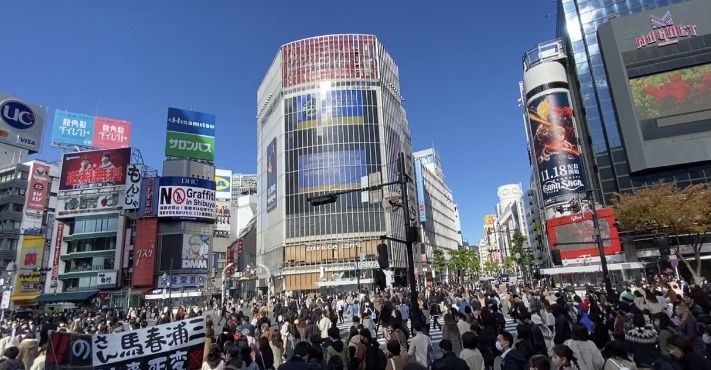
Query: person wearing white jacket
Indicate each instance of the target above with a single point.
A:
(420, 345)
(585, 350)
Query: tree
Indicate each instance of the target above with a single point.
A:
(490, 268)
(438, 261)
(665, 208)
(518, 255)
(464, 261)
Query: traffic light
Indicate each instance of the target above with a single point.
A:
(383, 258)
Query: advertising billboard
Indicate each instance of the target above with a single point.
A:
(574, 235)
(329, 108)
(419, 182)
(190, 135)
(94, 169)
(90, 131)
(132, 189)
(21, 123)
(489, 219)
(223, 184)
(184, 252)
(223, 216)
(148, 205)
(144, 252)
(183, 281)
(555, 145)
(37, 190)
(329, 57)
(83, 204)
(186, 198)
(31, 252)
(331, 170)
(271, 176)
(56, 252)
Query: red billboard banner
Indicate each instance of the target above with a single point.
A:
(39, 186)
(144, 255)
(57, 252)
(230, 259)
(329, 57)
(110, 133)
(94, 169)
(574, 235)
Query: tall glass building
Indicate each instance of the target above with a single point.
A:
(329, 119)
(610, 151)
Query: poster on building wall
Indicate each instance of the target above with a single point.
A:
(58, 239)
(37, 190)
(271, 176)
(223, 184)
(196, 248)
(187, 198)
(555, 146)
(144, 252)
(178, 345)
(132, 189)
(223, 216)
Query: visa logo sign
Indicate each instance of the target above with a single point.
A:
(27, 141)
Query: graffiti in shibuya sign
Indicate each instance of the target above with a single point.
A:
(177, 345)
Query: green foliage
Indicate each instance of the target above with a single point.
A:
(490, 268)
(464, 261)
(438, 260)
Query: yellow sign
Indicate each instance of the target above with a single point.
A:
(489, 220)
(27, 284)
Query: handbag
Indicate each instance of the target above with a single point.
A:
(264, 366)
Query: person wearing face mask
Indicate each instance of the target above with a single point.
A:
(682, 350)
(511, 359)
(665, 327)
(688, 328)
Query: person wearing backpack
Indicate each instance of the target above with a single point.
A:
(396, 358)
(374, 356)
(336, 350)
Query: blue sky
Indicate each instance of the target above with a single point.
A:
(459, 62)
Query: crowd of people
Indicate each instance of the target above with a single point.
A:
(641, 327)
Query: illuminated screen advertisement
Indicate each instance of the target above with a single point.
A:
(271, 176)
(574, 235)
(86, 130)
(555, 146)
(184, 251)
(331, 170)
(329, 108)
(94, 169)
(186, 198)
(672, 93)
(329, 57)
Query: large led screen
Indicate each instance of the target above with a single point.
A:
(331, 170)
(574, 235)
(671, 93)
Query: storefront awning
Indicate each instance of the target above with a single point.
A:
(67, 297)
(24, 297)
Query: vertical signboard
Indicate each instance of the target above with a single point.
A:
(419, 181)
(31, 251)
(223, 184)
(58, 239)
(224, 216)
(38, 189)
(132, 189)
(144, 252)
(190, 135)
(230, 259)
(149, 197)
(21, 123)
(271, 176)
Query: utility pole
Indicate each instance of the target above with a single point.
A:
(600, 246)
(409, 232)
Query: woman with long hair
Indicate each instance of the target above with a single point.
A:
(617, 357)
(564, 358)
(685, 354)
(277, 346)
(584, 349)
(451, 331)
(265, 357)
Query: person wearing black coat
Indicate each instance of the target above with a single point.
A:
(511, 358)
(449, 360)
(563, 331)
(300, 359)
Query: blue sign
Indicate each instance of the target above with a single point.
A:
(307, 113)
(73, 128)
(329, 108)
(182, 281)
(148, 203)
(18, 115)
(419, 182)
(331, 170)
(191, 122)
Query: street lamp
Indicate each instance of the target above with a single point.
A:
(7, 281)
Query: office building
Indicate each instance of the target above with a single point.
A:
(243, 184)
(438, 214)
(330, 118)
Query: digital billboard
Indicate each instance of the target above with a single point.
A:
(271, 176)
(554, 143)
(37, 190)
(223, 184)
(329, 108)
(331, 170)
(21, 123)
(190, 135)
(196, 248)
(223, 216)
(90, 131)
(574, 235)
(419, 182)
(329, 57)
(672, 93)
(186, 198)
(94, 169)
